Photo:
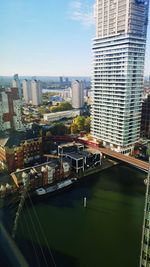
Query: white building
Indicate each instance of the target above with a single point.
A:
(26, 87)
(77, 94)
(16, 84)
(118, 68)
(67, 94)
(36, 92)
(56, 116)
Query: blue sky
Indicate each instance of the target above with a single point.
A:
(48, 37)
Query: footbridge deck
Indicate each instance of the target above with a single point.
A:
(127, 159)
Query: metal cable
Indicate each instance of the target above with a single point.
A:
(37, 236)
(41, 228)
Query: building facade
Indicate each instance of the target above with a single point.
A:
(26, 87)
(18, 154)
(145, 242)
(77, 94)
(118, 69)
(36, 92)
(10, 110)
(56, 116)
(145, 118)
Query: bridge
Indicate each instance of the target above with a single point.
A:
(140, 164)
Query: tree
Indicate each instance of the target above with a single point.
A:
(87, 124)
(80, 123)
(74, 128)
(42, 110)
(48, 134)
(61, 107)
(59, 129)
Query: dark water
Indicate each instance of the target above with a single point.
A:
(106, 233)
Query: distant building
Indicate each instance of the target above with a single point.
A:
(60, 80)
(27, 95)
(16, 84)
(77, 94)
(56, 116)
(145, 119)
(36, 92)
(66, 80)
(66, 94)
(10, 110)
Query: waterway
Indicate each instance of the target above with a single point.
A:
(105, 233)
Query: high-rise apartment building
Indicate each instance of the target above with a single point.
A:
(77, 94)
(26, 86)
(16, 84)
(118, 66)
(10, 110)
(145, 118)
(36, 92)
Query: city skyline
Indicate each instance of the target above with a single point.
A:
(49, 39)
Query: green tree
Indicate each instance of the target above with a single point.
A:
(80, 123)
(42, 110)
(74, 128)
(59, 129)
(61, 107)
(87, 124)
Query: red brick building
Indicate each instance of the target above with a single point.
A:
(10, 110)
(17, 151)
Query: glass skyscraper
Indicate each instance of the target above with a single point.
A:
(118, 69)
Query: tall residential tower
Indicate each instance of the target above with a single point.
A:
(36, 92)
(77, 94)
(27, 94)
(118, 69)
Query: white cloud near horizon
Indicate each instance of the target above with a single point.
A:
(82, 12)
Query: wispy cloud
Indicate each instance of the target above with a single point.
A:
(82, 11)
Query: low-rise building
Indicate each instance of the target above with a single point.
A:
(56, 116)
(80, 158)
(19, 150)
(70, 147)
(85, 159)
(43, 174)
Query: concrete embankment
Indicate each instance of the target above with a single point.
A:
(106, 163)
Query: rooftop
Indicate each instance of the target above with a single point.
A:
(14, 138)
(70, 145)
